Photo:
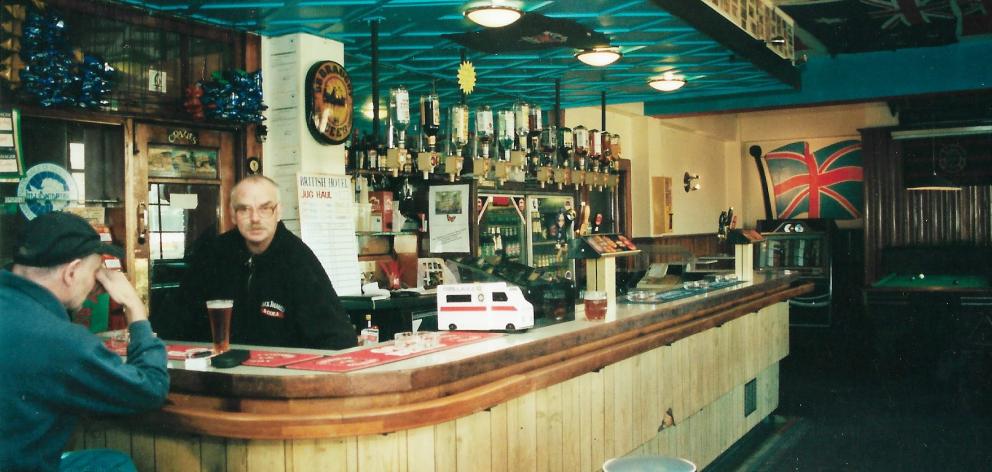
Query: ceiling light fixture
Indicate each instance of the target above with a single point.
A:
(667, 83)
(599, 57)
(492, 13)
(934, 182)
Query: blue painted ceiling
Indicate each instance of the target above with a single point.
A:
(412, 51)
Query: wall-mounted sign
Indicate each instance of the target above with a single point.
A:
(11, 164)
(183, 136)
(45, 188)
(329, 102)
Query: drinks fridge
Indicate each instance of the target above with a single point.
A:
(550, 225)
(502, 231)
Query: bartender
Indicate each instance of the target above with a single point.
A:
(282, 295)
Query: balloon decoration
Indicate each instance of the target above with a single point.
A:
(234, 96)
(55, 74)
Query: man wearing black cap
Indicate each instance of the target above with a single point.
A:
(54, 370)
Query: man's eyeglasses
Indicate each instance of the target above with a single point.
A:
(264, 211)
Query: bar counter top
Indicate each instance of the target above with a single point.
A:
(278, 403)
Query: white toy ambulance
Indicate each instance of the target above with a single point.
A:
(483, 307)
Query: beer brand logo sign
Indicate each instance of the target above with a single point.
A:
(329, 102)
(45, 188)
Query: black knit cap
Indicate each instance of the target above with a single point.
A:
(58, 237)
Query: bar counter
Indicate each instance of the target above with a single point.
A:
(670, 378)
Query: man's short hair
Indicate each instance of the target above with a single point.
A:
(257, 178)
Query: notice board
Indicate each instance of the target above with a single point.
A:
(327, 225)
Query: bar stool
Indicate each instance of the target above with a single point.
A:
(648, 464)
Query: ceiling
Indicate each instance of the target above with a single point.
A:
(719, 60)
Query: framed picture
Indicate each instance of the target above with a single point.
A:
(182, 162)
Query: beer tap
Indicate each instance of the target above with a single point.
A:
(459, 138)
(563, 167)
(507, 131)
(399, 119)
(430, 123)
(484, 136)
(581, 151)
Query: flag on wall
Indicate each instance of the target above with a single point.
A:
(825, 183)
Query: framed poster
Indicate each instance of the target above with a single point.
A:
(449, 218)
(11, 157)
(182, 162)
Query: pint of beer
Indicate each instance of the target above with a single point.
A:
(219, 312)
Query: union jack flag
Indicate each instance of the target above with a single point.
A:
(826, 183)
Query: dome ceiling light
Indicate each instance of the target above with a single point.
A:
(599, 57)
(493, 13)
(667, 83)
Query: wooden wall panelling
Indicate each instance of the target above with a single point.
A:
(420, 449)
(897, 217)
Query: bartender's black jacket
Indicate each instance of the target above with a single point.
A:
(282, 297)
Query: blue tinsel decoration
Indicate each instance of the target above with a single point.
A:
(234, 96)
(51, 77)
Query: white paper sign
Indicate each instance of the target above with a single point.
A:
(449, 218)
(185, 201)
(327, 225)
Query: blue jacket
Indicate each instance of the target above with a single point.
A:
(52, 371)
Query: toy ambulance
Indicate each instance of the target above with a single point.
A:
(483, 307)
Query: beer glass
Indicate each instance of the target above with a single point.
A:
(219, 312)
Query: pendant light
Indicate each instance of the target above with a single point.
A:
(600, 56)
(934, 182)
(492, 13)
(667, 83)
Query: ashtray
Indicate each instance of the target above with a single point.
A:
(640, 296)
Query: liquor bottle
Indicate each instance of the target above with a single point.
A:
(506, 131)
(595, 149)
(430, 119)
(565, 146)
(521, 115)
(581, 147)
(459, 129)
(484, 128)
(399, 113)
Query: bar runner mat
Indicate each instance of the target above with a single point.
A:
(177, 352)
(386, 353)
(371, 356)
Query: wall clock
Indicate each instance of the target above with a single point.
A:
(329, 102)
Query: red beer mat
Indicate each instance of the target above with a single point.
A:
(385, 353)
(277, 359)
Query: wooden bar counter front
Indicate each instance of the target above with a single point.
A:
(685, 378)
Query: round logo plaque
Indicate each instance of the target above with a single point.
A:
(45, 188)
(329, 102)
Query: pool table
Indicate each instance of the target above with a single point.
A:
(918, 320)
(933, 282)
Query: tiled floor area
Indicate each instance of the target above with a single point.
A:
(843, 410)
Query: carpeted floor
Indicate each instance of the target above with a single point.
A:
(843, 409)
